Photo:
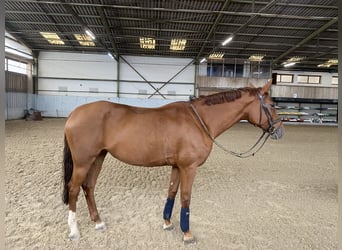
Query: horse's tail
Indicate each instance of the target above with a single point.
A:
(67, 167)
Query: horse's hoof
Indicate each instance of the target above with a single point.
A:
(189, 240)
(100, 226)
(168, 227)
(74, 236)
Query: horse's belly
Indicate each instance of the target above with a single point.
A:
(139, 153)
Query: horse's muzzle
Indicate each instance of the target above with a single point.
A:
(278, 132)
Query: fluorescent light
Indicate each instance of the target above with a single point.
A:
(203, 60)
(229, 39)
(289, 64)
(110, 55)
(91, 34)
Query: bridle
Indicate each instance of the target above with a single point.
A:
(263, 106)
(270, 130)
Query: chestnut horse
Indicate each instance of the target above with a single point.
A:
(179, 134)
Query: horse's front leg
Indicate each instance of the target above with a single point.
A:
(187, 176)
(173, 188)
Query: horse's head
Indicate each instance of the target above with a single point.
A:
(262, 113)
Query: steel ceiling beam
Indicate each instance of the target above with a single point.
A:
(54, 23)
(189, 23)
(189, 31)
(70, 10)
(165, 38)
(289, 4)
(130, 7)
(108, 31)
(172, 21)
(305, 40)
(213, 28)
(247, 23)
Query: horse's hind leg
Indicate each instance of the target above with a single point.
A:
(78, 176)
(173, 188)
(89, 187)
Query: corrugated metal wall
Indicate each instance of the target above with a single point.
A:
(16, 95)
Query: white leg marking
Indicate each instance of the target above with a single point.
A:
(168, 227)
(74, 233)
(100, 226)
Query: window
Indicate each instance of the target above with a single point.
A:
(235, 68)
(16, 66)
(309, 79)
(334, 80)
(285, 78)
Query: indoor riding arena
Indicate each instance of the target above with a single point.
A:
(239, 96)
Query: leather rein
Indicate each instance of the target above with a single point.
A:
(269, 131)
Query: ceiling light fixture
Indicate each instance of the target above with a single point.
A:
(216, 55)
(203, 60)
(147, 43)
(289, 64)
(228, 40)
(295, 59)
(256, 58)
(110, 55)
(52, 38)
(84, 40)
(177, 44)
(91, 34)
(328, 63)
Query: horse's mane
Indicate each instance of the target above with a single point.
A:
(227, 96)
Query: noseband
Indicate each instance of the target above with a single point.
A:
(263, 107)
(269, 131)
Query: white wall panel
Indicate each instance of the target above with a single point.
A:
(81, 73)
(143, 90)
(157, 69)
(76, 87)
(76, 65)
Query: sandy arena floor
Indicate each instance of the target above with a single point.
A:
(284, 198)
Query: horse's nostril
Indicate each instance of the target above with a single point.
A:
(278, 133)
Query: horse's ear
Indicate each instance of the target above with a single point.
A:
(266, 87)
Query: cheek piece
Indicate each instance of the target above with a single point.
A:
(168, 208)
(184, 220)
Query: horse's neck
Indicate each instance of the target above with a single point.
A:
(220, 117)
